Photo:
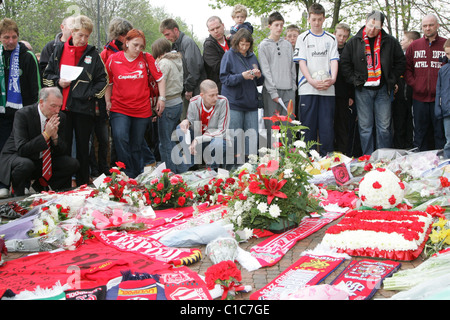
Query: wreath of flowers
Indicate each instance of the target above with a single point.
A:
(381, 189)
(168, 190)
(382, 230)
(215, 190)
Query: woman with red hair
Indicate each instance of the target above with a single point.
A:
(128, 99)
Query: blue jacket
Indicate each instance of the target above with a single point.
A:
(242, 94)
(442, 101)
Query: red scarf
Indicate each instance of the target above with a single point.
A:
(373, 62)
(71, 56)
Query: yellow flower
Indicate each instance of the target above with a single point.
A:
(441, 223)
(435, 236)
(446, 233)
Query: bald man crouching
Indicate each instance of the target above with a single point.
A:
(203, 135)
(36, 148)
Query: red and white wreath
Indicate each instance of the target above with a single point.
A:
(381, 189)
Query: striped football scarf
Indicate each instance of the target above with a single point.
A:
(373, 62)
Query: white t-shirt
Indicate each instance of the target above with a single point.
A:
(318, 51)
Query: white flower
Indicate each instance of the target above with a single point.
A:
(296, 122)
(300, 144)
(274, 211)
(314, 154)
(262, 207)
(288, 173)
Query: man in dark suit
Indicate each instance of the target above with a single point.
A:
(37, 128)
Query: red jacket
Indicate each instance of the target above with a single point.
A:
(422, 67)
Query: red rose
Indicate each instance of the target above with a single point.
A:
(181, 201)
(392, 200)
(444, 182)
(114, 170)
(402, 185)
(166, 171)
(160, 186)
(377, 185)
(120, 164)
(157, 200)
(107, 180)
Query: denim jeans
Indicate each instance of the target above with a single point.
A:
(167, 124)
(374, 112)
(207, 153)
(99, 162)
(128, 137)
(246, 134)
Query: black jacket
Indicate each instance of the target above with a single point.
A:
(30, 79)
(91, 83)
(354, 61)
(212, 55)
(26, 140)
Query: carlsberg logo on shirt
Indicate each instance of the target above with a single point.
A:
(133, 75)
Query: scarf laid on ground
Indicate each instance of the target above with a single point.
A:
(13, 91)
(373, 61)
(71, 56)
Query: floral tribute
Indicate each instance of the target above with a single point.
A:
(439, 238)
(169, 190)
(119, 187)
(214, 190)
(274, 187)
(396, 235)
(381, 189)
(227, 275)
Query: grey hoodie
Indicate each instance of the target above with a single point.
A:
(276, 59)
(171, 65)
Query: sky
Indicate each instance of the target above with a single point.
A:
(196, 12)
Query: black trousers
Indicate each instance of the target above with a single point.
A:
(81, 126)
(23, 170)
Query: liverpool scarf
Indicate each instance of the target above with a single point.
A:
(373, 60)
(71, 56)
(13, 91)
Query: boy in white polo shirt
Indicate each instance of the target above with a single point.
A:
(317, 53)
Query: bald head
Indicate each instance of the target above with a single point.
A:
(209, 93)
(430, 26)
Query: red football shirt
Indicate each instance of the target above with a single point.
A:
(205, 116)
(130, 91)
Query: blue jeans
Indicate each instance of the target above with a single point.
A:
(212, 152)
(374, 110)
(427, 127)
(246, 134)
(128, 137)
(167, 124)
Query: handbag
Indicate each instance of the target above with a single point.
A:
(152, 84)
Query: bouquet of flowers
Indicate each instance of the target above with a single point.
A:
(48, 220)
(276, 194)
(439, 238)
(227, 275)
(214, 190)
(169, 190)
(119, 187)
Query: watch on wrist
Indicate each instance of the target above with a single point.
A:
(162, 98)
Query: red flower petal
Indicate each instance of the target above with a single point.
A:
(377, 185)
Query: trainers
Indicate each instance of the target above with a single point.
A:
(4, 193)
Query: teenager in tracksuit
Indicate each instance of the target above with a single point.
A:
(422, 67)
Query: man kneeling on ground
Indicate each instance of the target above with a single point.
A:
(36, 148)
(205, 129)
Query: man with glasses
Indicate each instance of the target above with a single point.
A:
(373, 61)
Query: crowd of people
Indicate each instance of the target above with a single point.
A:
(184, 106)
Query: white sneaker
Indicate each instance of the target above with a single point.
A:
(4, 193)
